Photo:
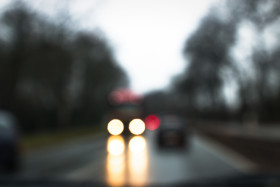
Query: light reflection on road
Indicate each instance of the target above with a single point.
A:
(137, 161)
(115, 163)
(127, 162)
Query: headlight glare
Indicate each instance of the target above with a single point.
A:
(137, 126)
(115, 127)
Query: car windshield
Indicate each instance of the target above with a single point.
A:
(94, 87)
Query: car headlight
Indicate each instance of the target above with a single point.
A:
(115, 127)
(137, 126)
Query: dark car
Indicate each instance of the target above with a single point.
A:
(9, 144)
(171, 132)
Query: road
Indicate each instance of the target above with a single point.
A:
(136, 161)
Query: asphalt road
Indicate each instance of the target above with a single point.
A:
(135, 161)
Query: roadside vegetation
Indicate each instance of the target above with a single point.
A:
(48, 139)
(232, 66)
(54, 76)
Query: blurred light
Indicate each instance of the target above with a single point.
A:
(115, 145)
(137, 162)
(137, 144)
(115, 164)
(137, 126)
(124, 95)
(152, 122)
(115, 127)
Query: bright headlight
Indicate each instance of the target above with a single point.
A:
(137, 126)
(115, 127)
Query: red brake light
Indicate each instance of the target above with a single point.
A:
(152, 122)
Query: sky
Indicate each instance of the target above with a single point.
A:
(147, 35)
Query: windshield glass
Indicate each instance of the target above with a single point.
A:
(91, 85)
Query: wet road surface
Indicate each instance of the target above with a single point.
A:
(133, 161)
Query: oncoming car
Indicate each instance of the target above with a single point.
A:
(125, 115)
(117, 127)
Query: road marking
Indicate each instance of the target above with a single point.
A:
(228, 155)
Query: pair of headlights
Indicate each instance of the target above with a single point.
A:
(116, 127)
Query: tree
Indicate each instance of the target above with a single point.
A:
(209, 57)
(48, 71)
(207, 52)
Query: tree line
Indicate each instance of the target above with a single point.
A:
(51, 75)
(212, 66)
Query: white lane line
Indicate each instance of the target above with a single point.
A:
(229, 156)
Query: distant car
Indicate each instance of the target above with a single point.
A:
(171, 132)
(9, 144)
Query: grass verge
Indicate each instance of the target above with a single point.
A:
(46, 139)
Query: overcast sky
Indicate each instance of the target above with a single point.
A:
(147, 35)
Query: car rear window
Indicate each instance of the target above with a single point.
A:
(171, 125)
